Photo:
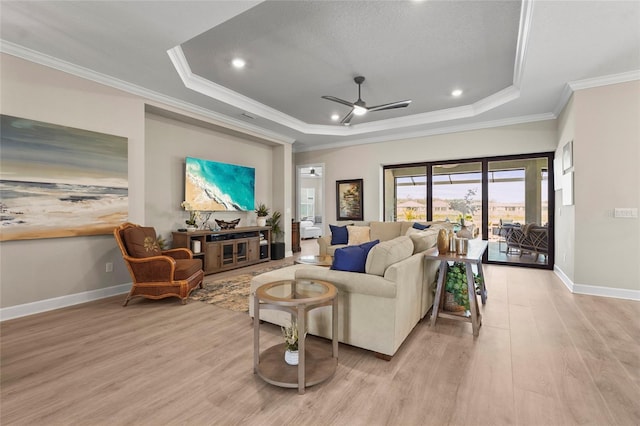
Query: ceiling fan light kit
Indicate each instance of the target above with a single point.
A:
(360, 108)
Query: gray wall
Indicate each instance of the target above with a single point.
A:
(595, 253)
(38, 275)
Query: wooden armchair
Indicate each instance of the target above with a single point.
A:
(156, 273)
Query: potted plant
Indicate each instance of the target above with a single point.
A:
(290, 335)
(277, 243)
(262, 211)
(456, 292)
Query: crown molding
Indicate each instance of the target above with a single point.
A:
(230, 97)
(604, 80)
(18, 51)
(526, 17)
(591, 83)
(430, 132)
(216, 91)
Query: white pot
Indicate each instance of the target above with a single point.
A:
(191, 228)
(291, 357)
(262, 221)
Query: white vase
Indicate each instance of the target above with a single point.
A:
(262, 221)
(291, 357)
(191, 228)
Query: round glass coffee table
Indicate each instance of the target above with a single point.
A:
(324, 260)
(315, 362)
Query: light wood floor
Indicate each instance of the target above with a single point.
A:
(544, 357)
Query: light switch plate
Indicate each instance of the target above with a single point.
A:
(625, 212)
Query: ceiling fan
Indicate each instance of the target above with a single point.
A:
(359, 107)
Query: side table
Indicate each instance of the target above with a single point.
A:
(296, 297)
(473, 257)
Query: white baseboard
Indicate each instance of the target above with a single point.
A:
(18, 311)
(594, 290)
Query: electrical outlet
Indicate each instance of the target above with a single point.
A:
(109, 267)
(625, 212)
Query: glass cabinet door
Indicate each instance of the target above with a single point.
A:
(242, 250)
(227, 253)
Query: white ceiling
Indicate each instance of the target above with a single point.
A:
(516, 61)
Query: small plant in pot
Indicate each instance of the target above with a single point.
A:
(262, 211)
(277, 245)
(290, 335)
(456, 292)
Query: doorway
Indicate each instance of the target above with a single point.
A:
(310, 200)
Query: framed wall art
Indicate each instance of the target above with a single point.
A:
(349, 199)
(58, 181)
(567, 156)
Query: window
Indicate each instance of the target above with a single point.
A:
(307, 202)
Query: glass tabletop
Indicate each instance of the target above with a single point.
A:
(296, 291)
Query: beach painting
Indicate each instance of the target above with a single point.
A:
(214, 186)
(58, 181)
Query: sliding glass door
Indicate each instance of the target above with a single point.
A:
(518, 210)
(504, 200)
(457, 195)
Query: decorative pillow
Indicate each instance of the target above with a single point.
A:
(339, 235)
(141, 242)
(424, 240)
(387, 253)
(358, 235)
(352, 258)
(420, 226)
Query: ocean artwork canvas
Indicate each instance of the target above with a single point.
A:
(215, 186)
(58, 181)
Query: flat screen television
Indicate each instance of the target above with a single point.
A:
(213, 186)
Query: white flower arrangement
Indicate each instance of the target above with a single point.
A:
(290, 335)
(194, 215)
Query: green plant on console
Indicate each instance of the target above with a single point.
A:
(262, 210)
(274, 223)
(456, 283)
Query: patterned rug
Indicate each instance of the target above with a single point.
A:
(230, 293)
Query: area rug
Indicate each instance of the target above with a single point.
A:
(232, 292)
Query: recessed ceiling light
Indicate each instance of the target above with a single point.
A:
(335, 117)
(238, 63)
(456, 92)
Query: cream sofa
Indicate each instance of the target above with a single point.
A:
(377, 309)
(382, 231)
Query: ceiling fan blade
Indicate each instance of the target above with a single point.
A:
(338, 100)
(392, 105)
(347, 119)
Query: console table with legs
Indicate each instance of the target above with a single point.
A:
(473, 257)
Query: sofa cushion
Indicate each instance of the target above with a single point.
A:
(385, 231)
(424, 240)
(352, 258)
(420, 226)
(387, 253)
(141, 242)
(358, 235)
(339, 234)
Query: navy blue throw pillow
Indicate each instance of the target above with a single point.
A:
(420, 227)
(339, 235)
(352, 258)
